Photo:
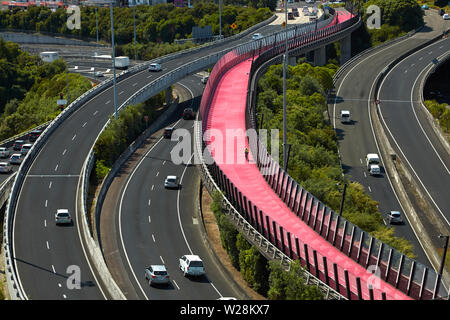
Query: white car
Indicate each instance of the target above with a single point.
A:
(26, 148)
(345, 116)
(204, 79)
(4, 152)
(446, 16)
(154, 67)
(16, 158)
(5, 167)
(171, 182)
(192, 265)
(99, 74)
(62, 216)
(374, 170)
(257, 36)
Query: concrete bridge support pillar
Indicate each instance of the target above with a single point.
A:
(320, 56)
(292, 61)
(169, 97)
(346, 49)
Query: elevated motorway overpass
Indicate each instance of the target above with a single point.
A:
(52, 176)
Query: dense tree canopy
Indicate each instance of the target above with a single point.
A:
(29, 89)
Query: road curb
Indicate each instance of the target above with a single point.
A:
(434, 123)
(209, 246)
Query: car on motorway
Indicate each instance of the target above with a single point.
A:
(18, 145)
(16, 158)
(168, 132)
(309, 1)
(5, 167)
(394, 217)
(99, 74)
(191, 265)
(373, 164)
(4, 152)
(204, 79)
(345, 116)
(441, 12)
(295, 12)
(154, 67)
(171, 182)
(25, 148)
(157, 274)
(34, 135)
(188, 114)
(290, 16)
(257, 36)
(425, 7)
(62, 216)
(446, 16)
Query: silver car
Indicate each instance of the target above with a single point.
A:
(16, 158)
(171, 182)
(154, 67)
(157, 274)
(395, 217)
(26, 148)
(4, 152)
(5, 167)
(62, 216)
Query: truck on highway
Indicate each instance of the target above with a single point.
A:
(122, 62)
(49, 56)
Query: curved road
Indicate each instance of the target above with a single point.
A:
(154, 225)
(408, 129)
(353, 92)
(42, 251)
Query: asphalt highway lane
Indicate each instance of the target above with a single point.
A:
(353, 91)
(402, 115)
(158, 225)
(60, 161)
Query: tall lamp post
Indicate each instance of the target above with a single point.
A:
(284, 90)
(220, 19)
(134, 26)
(113, 59)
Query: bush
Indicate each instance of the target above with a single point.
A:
(290, 285)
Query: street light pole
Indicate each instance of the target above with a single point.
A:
(134, 25)
(220, 19)
(284, 91)
(113, 58)
(96, 22)
(441, 270)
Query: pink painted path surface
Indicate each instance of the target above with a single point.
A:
(227, 112)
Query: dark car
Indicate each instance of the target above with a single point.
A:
(18, 145)
(34, 135)
(168, 133)
(441, 12)
(188, 114)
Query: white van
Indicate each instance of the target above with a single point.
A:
(373, 164)
(345, 116)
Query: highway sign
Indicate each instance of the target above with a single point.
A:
(60, 102)
(233, 26)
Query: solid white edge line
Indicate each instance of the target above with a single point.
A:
(31, 166)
